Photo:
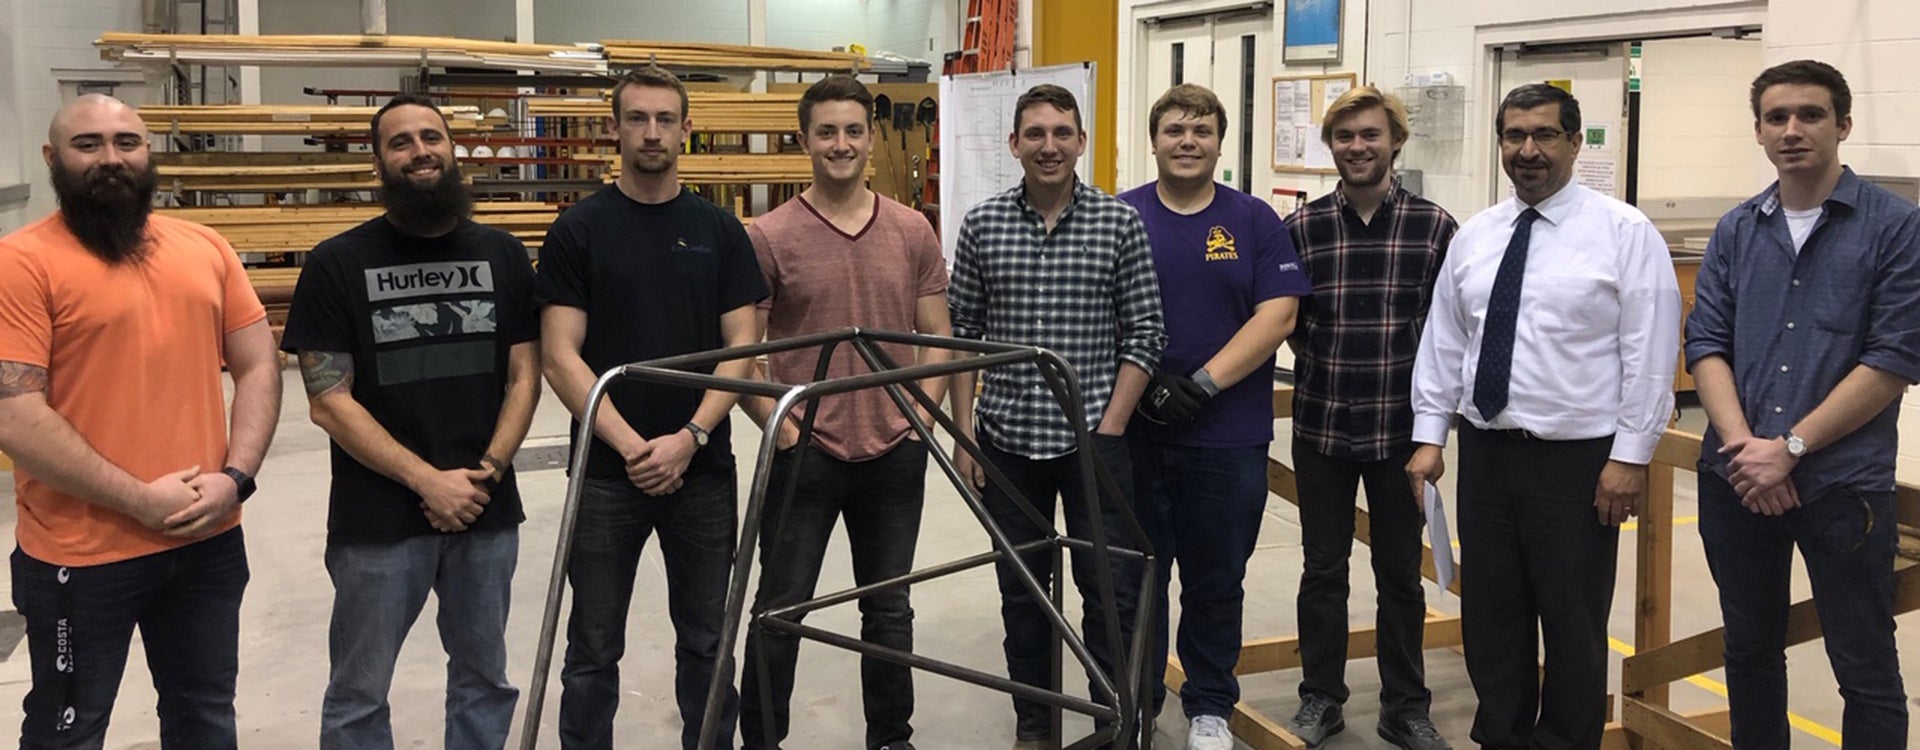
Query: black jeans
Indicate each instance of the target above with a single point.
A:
(1328, 487)
(1848, 540)
(1030, 636)
(80, 621)
(1537, 560)
(881, 499)
(696, 525)
(1201, 508)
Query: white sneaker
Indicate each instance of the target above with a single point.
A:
(1209, 733)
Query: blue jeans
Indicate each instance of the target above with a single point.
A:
(1030, 637)
(378, 590)
(1201, 508)
(80, 621)
(1848, 540)
(881, 500)
(696, 526)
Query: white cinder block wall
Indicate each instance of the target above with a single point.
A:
(41, 35)
(13, 139)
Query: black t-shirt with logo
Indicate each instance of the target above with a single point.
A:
(654, 279)
(429, 322)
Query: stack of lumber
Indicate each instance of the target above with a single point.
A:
(711, 112)
(702, 56)
(290, 119)
(279, 229)
(349, 50)
(269, 179)
(738, 169)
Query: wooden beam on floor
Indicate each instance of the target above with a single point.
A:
(1275, 654)
(1706, 651)
(1662, 728)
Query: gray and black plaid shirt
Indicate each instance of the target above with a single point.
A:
(1086, 291)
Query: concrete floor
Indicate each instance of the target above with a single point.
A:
(284, 659)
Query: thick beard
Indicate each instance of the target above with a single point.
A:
(106, 207)
(445, 201)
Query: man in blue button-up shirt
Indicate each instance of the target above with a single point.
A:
(1806, 332)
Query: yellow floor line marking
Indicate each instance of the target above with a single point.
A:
(1802, 723)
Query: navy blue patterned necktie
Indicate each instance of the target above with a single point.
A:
(1495, 373)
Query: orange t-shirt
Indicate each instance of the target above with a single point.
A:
(133, 355)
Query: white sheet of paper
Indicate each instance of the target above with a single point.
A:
(1438, 536)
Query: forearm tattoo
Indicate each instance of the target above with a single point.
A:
(326, 371)
(17, 379)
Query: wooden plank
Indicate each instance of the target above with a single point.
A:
(1247, 723)
(1275, 654)
(1653, 573)
(1706, 651)
(1663, 728)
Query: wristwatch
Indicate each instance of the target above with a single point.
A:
(244, 484)
(699, 435)
(1795, 446)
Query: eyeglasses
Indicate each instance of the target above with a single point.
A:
(1542, 136)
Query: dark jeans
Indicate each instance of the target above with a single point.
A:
(378, 591)
(881, 500)
(1030, 637)
(1539, 566)
(80, 621)
(1848, 540)
(1201, 508)
(1328, 487)
(696, 526)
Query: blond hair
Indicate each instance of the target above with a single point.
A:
(1362, 98)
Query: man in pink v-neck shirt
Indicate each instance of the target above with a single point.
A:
(841, 255)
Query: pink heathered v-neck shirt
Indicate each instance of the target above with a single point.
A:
(824, 279)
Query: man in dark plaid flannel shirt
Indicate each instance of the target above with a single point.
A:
(1372, 250)
(1054, 263)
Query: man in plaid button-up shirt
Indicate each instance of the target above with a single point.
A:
(1057, 264)
(1373, 250)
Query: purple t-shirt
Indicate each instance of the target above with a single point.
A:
(1214, 267)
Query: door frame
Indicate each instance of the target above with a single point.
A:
(1490, 38)
(1135, 100)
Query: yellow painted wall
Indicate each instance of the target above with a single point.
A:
(1071, 31)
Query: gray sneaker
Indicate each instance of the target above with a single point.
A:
(1413, 733)
(1318, 719)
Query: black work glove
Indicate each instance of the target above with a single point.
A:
(1172, 399)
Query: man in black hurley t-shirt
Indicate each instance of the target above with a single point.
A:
(416, 332)
(660, 272)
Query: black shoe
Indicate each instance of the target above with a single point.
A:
(1318, 719)
(1413, 733)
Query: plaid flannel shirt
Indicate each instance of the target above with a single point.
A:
(1086, 291)
(1356, 337)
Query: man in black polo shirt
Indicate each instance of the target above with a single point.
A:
(416, 332)
(660, 272)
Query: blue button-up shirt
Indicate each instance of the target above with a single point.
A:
(1793, 325)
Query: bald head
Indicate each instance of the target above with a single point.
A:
(93, 113)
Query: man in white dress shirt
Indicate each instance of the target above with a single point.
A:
(1553, 333)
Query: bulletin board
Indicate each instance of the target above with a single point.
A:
(1299, 103)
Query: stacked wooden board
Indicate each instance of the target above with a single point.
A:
(269, 179)
(291, 119)
(736, 169)
(730, 57)
(350, 50)
(712, 112)
(281, 229)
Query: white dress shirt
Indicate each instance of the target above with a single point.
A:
(1597, 338)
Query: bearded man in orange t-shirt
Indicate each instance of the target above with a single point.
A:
(113, 327)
